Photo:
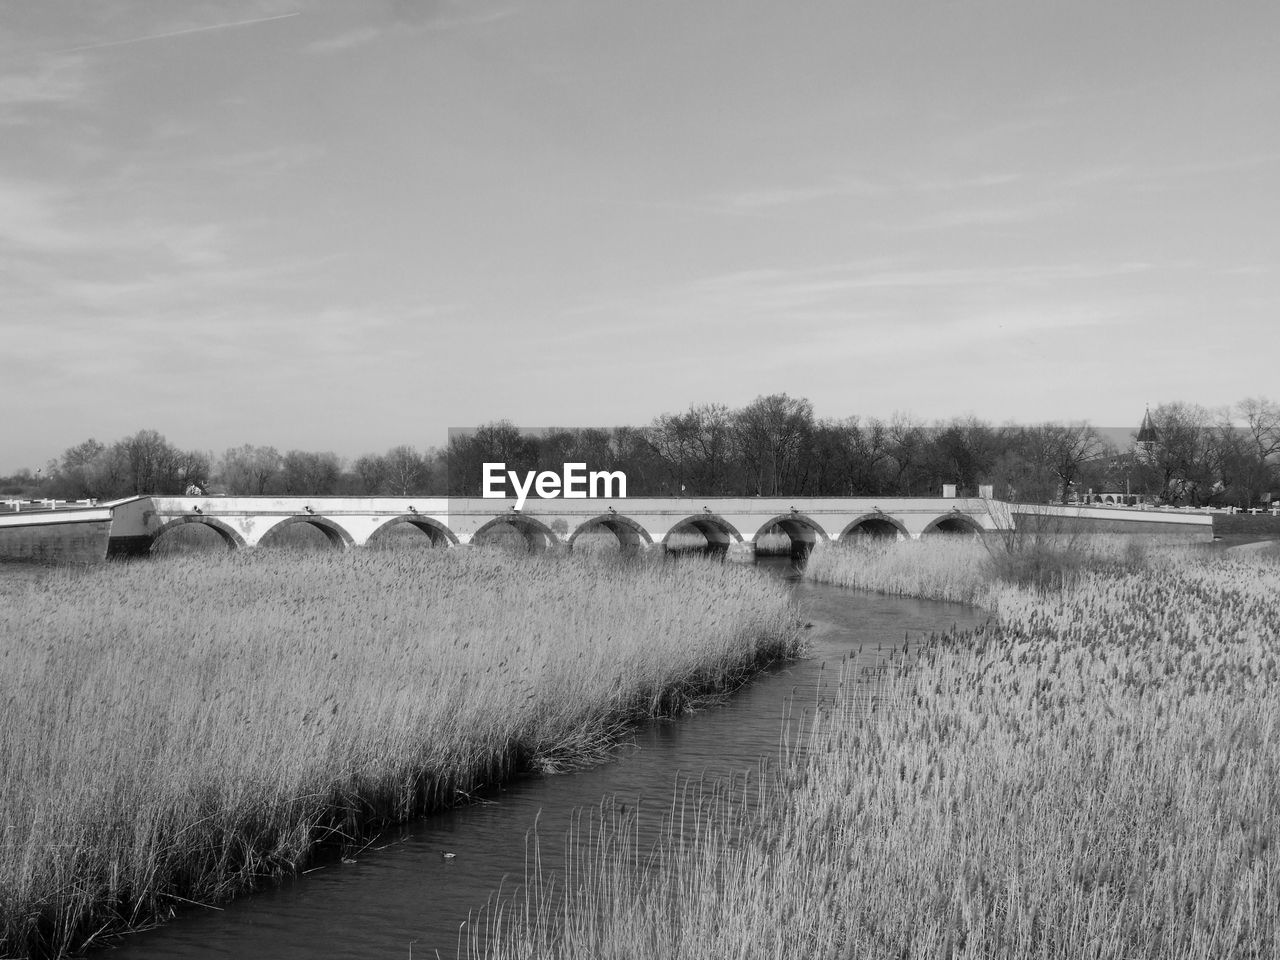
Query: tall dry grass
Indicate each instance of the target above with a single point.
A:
(1095, 777)
(977, 570)
(178, 729)
(955, 569)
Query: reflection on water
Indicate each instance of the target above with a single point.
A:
(405, 890)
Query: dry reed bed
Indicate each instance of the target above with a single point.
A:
(951, 568)
(1095, 776)
(177, 729)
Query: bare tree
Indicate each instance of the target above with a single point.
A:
(697, 448)
(906, 444)
(1262, 421)
(772, 435)
(1063, 449)
(75, 474)
(248, 470)
(498, 442)
(1179, 466)
(305, 472)
(371, 472)
(151, 462)
(963, 451)
(406, 470)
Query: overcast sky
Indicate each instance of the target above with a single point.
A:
(344, 226)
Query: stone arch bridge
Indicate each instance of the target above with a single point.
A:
(730, 525)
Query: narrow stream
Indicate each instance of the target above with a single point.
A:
(403, 897)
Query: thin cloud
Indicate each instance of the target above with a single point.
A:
(55, 80)
(430, 17)
(491, 16)
(984, 216)
(896, 298)
(179, 33)
(344, 41)
(762, 199)
(770, 198)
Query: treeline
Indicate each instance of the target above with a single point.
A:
(773, 446)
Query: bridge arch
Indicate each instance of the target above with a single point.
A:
(537, 535)
(338, 538)
(229, 535)
(440, 534)
(801, 530)
(631, 535)
(952, 523)
(717, 531)
(877, 525)
(797, 526)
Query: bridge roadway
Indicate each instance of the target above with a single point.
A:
(731, 524)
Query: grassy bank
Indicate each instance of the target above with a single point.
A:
(178, 729)
(1093, 776)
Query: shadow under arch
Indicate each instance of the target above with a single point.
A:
(952, 523)
(631, 535)
(802, 530)
(537, 535)
(875, 525)
(440, 534)
(230, 537)
(338, 538)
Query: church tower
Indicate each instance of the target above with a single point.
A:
(1148, 437)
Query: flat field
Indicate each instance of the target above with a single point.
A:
(180, 728)
(1094, 775)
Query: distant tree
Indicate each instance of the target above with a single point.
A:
(406, 471)
(111, 472)
(871, 457)
(1245, 459)
(963, 451)
(557, 446)
(437, 459)
(75, 475)
(22, 483)
(498, 442)
(849, 458)
(907, 445)
(634, 455)
(594, 446)
(771, 435)
(1060, 451)
(697, 448)
(1179, 466)
(194, 468)
(370, 474)
(304, 472)
(829, 449)
(249, 471)
(1262, 422)
(151, 462)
